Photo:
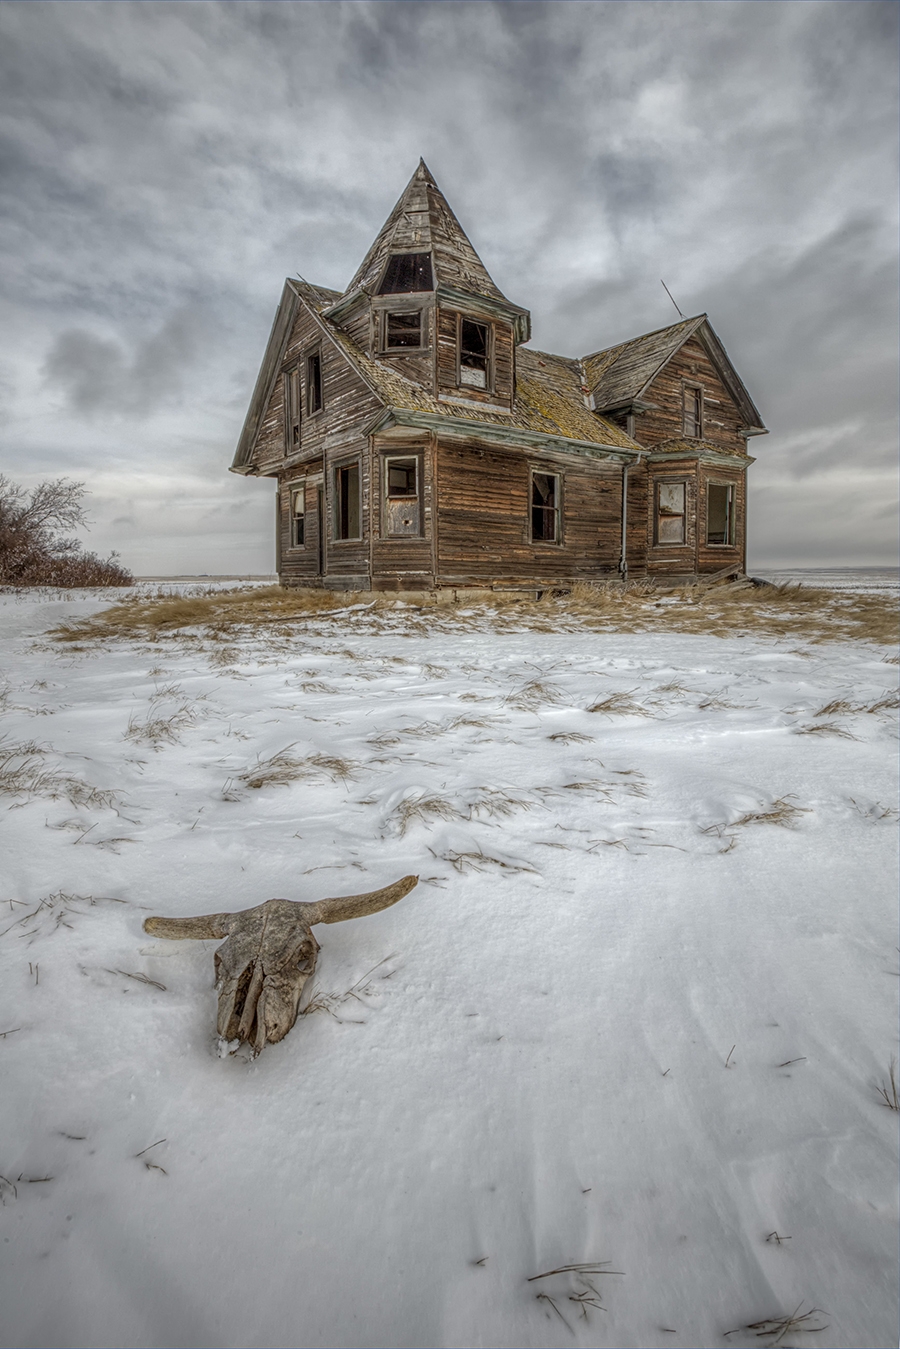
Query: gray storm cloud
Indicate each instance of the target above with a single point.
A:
(163, 167)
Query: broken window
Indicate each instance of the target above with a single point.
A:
(545, 507)
(693, 410)
(720, 513)
(407, 272)
(347, 512)
(402, 330)
(298, 517)
(314, 382)
(401, 496)
(473, 353)
(292, 409)
(670, 500)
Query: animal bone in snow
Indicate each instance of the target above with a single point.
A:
(268, 955)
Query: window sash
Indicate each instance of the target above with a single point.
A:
(347, 502)
(298, 516)
(545, 507)
(314, 382)
(720, 514)
(692, 422)
(671, 512)
(402, 330)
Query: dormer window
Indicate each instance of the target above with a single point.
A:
(474, 353)
(402, 330)
(407, 272)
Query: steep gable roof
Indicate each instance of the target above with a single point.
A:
(422, 222)
(621, 374)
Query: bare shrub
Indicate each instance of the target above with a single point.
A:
(35, 549)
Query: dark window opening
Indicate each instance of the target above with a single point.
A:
(407, 272)
(545, 507)
(401, 506)
(298, 516)
(314, 382)
(693, 411)
(670, 499)
(402, 330)
(720, 513)
(347, 513)
(473, 354)
(291, 409)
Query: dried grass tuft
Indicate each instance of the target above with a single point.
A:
(22, 774)
(777, 1327)
(620, 705)
(283, 768)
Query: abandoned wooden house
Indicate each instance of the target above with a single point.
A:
(419, 444)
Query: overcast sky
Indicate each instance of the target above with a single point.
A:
(165, 165)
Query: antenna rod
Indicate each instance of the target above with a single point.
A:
(670, 295)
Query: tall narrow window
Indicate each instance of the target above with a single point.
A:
(298, 517)
(545, 508)
(401, 497)
(347, 513)
(292, 409)
(407, 272)
(402, 330)
(473, 353)
(314, 382)
(670, 500)
(720, 513)
(693, 410)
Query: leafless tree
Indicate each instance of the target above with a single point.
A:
(35, 545)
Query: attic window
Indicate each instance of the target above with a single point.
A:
(314, 382)
(670, 500)
(407, 272)
(473, 354)
(693, 410)
(291, 409)
(402, 330)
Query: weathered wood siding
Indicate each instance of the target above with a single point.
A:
(483, 522)
(721, 416)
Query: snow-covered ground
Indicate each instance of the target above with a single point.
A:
(623, 1018)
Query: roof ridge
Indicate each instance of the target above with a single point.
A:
(602, 351)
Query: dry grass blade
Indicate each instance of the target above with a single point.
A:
(569, 737)
(283, 768)
(479, 861)
(780, 812)
(588, 1267)
(141, 978)
(545, 1297)
(328, 1002)
(776, 1327)
(22, 774)
(54, 911)
(533, 694)
(425, 807)
(888, 1090)
(826, 728)
(620, 705)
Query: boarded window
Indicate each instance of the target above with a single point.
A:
(314, 382)
(402, 330)
(670, 500)
(693, 410)
(292, 409)
(720, 513)
(545, 507)
(298, 517)
(401, 497)
(407, 272)
(347, 513)
(473, 354)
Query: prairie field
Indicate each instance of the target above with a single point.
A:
(619, 1071)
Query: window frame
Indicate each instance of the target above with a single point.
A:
(488, 386)
(293, 408)
(294, 489)
(730, 488)
(417, 457)
(337, 499)
(535, 471)
(314, 360)
(679, 481)
(696, 391)
(384, 317)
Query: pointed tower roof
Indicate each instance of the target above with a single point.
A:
(422, 222)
